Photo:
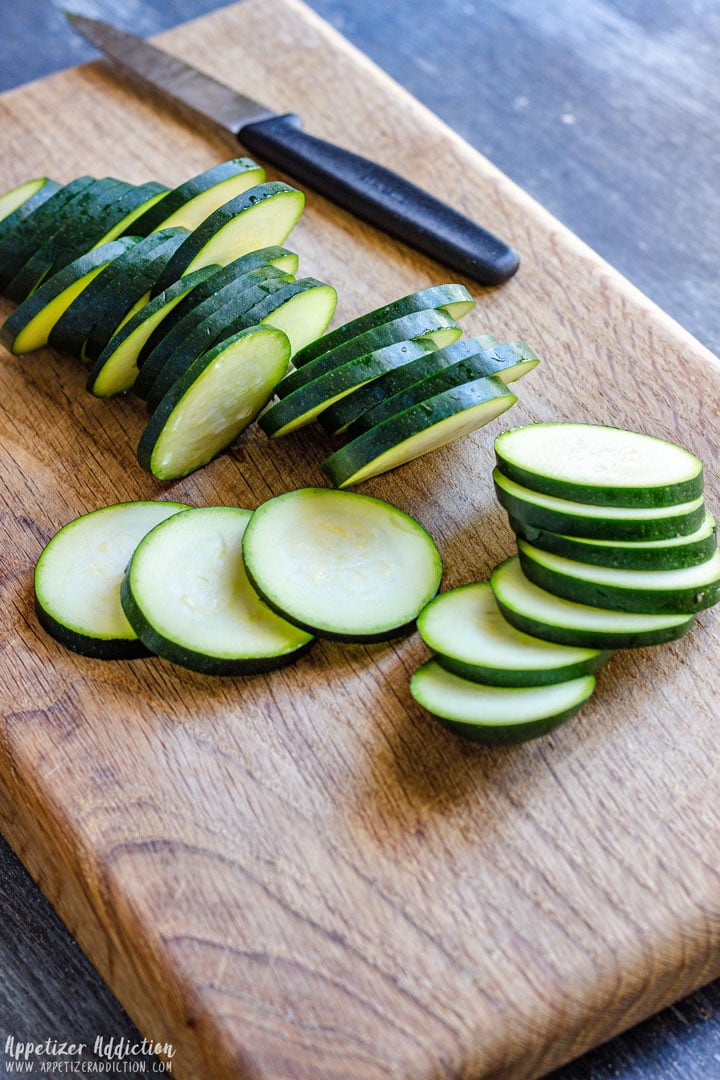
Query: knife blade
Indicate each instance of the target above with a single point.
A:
(368, 190)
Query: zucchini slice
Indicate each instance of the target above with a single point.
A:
(672, 554)
(430, 324)
(419, 430)
(473, 640)
(187, 595)
(605, 466)
(650, 592)
(302, 309)
(541, 614)
(597, 522)
(219, 395)
(341, 565)
(263, 215)
(99, 309)
(78, 575)
(29, 326)
(116, 369)
(508, 361)
(497, 715)
(454, 300)
(189, 204)
(18, 244)
(27, 195)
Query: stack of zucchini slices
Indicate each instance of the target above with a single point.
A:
(398, 382)
(192, 280)
(616, 549)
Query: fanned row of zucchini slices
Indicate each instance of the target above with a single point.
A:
(616, 549)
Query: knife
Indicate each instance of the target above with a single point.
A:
(363, 187)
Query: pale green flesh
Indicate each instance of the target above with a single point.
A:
(78, 575)
(195, 210)
(124, 225)
(263, 224)
(191, 585)
(513, 589)
(465, 623)
(690, 577)
(597, 513)
(304, 316)
(10, 200)
(591, 455)
(342, 563)
(220, 403)
(453, 698)
(35, 334)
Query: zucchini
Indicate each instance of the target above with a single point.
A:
(539, 613)
(418, 430)
(497, 715)
(263, 215)
(213, 320)
(650, 592)
(341, 565)
(597, 522)
(472, 639)
(454, 300)
(507, 361)
(604, 466)
(187, 595)
(671, 554)
(219, 395)
(78, 575)
(302, 309)
(22, 200)
(189, 204)
(279, 258)
(428, 325)
(31, 323)
(116, 370)
(100, 308)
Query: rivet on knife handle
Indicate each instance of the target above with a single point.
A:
(383, 198)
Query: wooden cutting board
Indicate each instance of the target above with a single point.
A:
(302, 875)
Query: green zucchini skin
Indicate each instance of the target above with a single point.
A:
(562, 579)
(19, 244)
(517, 451)
(672, 554)
(456, 297)
(432, 687)
(564, 621)
(429, 323)
(596, 523)
(35, 198)
(94, 648)
(418, 430)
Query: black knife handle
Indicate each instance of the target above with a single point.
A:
(383, 198)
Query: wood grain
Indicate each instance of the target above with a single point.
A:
(301, 875)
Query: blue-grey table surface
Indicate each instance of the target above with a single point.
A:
(608, 113)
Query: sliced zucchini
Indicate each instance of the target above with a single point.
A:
(302, 309)
(341, 565)
(133, 204)
(508, 361)
(219, 395)
(428, 325)
(419, 430)
(497, 715)
(78, 575)
(83, 226)
(100, 308)
(671, 554)
(472, 639)
(454, 300)
(189, 204)
(27, 195)
(597, 522)
(187, 595)
(18, 244)
(650, 592)
(214, 320)
(30, 324)
(605, 466)
(541, 614)
(116, 370)
(309, 401)
(263, 215)
(274, 256)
